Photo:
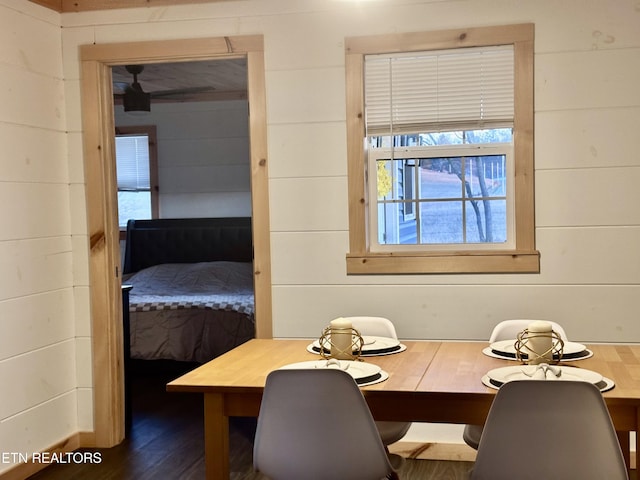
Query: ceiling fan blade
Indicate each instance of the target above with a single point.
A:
(178, 92)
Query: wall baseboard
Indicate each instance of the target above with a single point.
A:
(87, 439)
(24, 470)
(459, 452)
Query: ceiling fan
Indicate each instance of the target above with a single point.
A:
(135, 99)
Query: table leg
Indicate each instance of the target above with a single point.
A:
(216, 437)
(637, 442)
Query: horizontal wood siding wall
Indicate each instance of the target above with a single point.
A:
(587, 108)
(38, 245)
(203, 157)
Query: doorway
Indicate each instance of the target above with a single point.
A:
(101, 199)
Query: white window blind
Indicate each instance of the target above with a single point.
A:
(442, 90)
(132, 157)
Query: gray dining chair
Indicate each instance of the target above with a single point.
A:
(553, 429)
(505, 330)
(390, 432)
(315, 424)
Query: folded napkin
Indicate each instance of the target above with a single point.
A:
(335, 363)
(543, 371)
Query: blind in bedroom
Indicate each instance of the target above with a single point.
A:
(132, 159)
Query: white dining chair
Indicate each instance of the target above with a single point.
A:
(505, 330)
(374, 326)
(556, 429)
(390, 432)
(315, 424)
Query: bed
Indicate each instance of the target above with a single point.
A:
(191, 296)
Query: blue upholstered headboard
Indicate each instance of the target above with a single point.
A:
(187, 240)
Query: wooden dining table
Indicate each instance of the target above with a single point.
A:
(430, 381)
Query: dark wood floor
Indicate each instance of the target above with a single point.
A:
(166, 442)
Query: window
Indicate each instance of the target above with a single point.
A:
(438, 197)
(440, 152)
(137, 173)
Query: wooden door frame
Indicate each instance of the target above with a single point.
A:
(101, 197)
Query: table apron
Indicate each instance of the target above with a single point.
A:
(432, 407)
(396, 406)
(242, 404)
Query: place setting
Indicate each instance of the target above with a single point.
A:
(361, 345)
(363, 373)
(541, 351)
(506, 350)
(519, 348)
(341, 347)
(499, 376)
(371, 347)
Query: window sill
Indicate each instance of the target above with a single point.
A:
(444, 262)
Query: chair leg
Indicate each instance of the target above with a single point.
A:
(393, 475)
(395, 459)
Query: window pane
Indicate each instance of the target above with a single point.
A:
(384, 184)
(439, 178)
(396, 180)
(388, 223)
(441, 222)
(485, 176)
(486, 221)
(133, 205)
(409, 232)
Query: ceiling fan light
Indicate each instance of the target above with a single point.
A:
(136, 100)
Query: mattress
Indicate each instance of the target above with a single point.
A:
(190, 312)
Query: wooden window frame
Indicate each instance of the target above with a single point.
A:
(524, 258)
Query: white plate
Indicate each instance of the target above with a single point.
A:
(509, 356)
(605, 385)
(372, 346)
(363, 373)
(570, 350)
(519, 372)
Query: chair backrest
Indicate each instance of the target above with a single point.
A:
(556, 429)
(374, 326)
(315, 424)
(508, 329)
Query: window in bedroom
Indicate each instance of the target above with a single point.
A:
(137, 173)
(440, 152)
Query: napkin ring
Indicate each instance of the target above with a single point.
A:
(525, 354)
(352, 349)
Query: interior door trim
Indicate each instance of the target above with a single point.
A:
(101, 198)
